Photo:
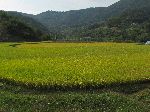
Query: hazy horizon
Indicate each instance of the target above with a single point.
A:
(36, 7)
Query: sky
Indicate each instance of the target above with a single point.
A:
(38, 6)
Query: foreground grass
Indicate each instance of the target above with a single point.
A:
(127, 98)
(73, 64)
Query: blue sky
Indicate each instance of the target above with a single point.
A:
(38, 6)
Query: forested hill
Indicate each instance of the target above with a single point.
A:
(132, 25)
(76, 18)
(28, 19)
(72, 18)
(19, 28)
(124, 5)
(126, 20)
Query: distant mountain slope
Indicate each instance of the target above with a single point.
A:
(28, 19)
(113, 23)
(132, 25)
(60, 20)
(17, 28)
(71, 18)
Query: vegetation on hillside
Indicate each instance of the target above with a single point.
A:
(75, 18)
(132, 26)
(124, 21)
(15, 29)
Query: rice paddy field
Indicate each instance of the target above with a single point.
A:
(74, 64)
(121, 69)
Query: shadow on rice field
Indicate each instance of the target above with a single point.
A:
(123, 88)
(14, 45)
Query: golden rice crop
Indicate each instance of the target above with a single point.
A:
(71, 64)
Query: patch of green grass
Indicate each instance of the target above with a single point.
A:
(74, 64)
(18, 99)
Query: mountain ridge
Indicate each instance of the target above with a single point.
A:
(75, 18)
(84, 22)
